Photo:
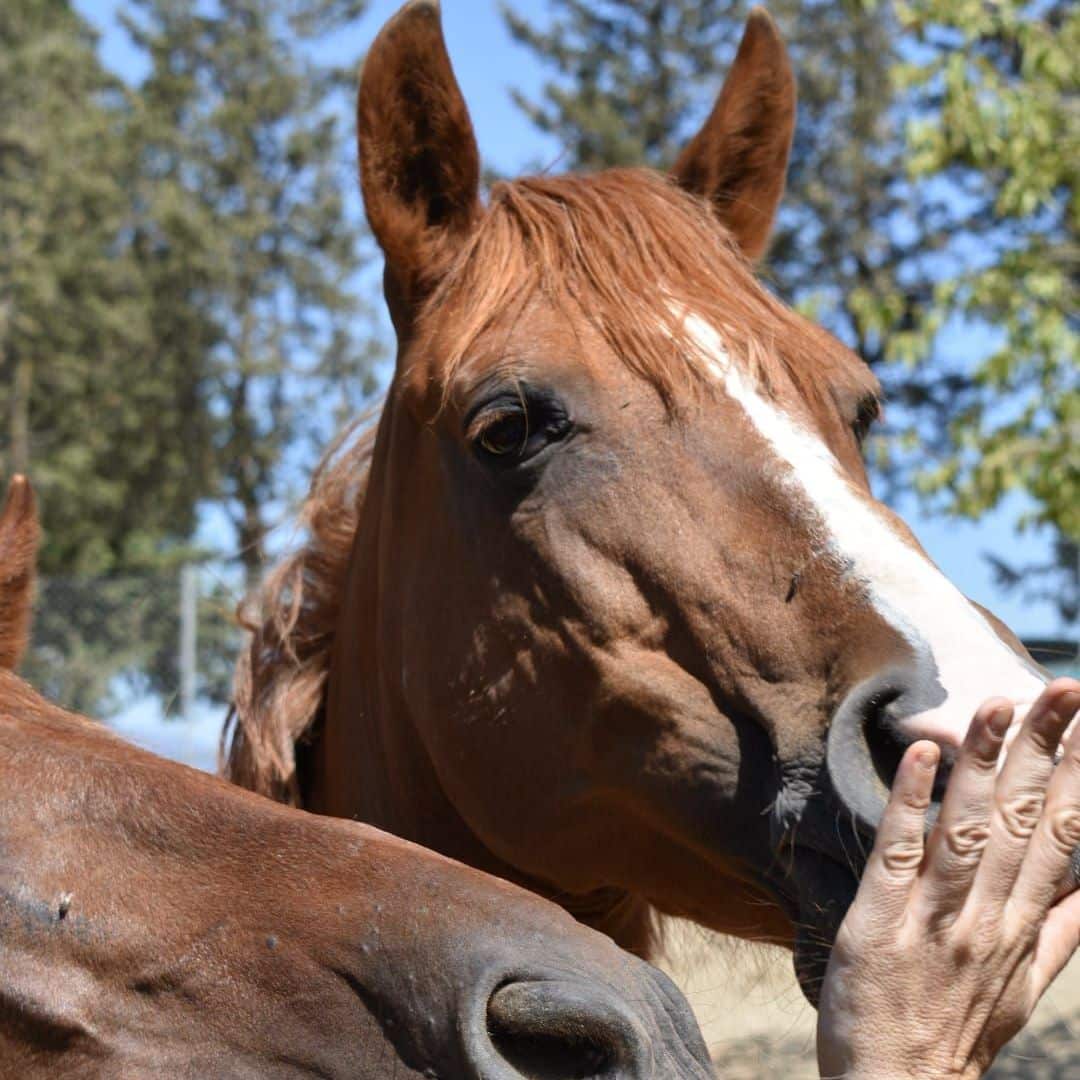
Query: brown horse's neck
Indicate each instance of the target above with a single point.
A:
(368, 763)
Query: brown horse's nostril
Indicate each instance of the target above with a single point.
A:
(564, 1031)
(864, 745)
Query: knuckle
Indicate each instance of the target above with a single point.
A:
(967, 839)
(1063, 826)
(902, 856)
(913, 801)
(1021, 925)
(1020, 814)
(987, 937)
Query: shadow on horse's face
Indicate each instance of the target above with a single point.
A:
(157, 920)
(628, 627)
(651, 627)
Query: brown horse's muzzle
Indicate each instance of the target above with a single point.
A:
(565, 1028)
(557, 1025)
(838, 824)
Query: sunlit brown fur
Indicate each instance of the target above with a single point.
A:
(157, 921)
(558, 237)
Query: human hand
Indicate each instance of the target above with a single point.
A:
(949, 945)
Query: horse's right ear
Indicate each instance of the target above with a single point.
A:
(19, 536)
(419, 164)
(738, 160)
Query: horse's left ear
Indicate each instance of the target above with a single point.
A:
(19, 536)
(419, 163)
(738, 160)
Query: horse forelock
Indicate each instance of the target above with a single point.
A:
(280, 680)
(633, 254)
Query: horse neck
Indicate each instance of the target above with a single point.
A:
(369, 763)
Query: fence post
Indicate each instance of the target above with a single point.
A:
(189, 604)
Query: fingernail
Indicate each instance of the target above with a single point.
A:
(1000, 720)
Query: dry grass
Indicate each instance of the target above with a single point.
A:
(758, 1024)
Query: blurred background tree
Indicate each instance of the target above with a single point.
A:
(84, 376)
(180, 326)
(931, 199)
(239, 122)
(993, 96)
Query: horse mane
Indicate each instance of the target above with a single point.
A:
(596, 245)
(278, 690)
(20, 534)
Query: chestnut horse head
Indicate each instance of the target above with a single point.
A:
(608, 607)
(155, 920)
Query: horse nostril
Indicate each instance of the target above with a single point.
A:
(562, 1031)
(866, 742)
(887, 744)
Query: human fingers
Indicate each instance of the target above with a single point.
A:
(959, 836)
(898, 847)
(1058, 940)
(1048, 860)
(1020, 794)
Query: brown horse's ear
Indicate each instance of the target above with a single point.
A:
(19, 535)
(419, 164)
(738, 160)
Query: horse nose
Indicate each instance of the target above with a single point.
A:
(562, 1030)
(866, 742)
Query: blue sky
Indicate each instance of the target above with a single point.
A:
(488, 63)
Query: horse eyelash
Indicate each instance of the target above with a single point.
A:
(866, 413)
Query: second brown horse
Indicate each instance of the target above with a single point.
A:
(157, 922)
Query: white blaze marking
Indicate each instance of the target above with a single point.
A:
(972, 662)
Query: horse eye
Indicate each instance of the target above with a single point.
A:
(507, 435)
(868, 410)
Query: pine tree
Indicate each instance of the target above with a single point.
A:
(76, 334)
(89, 400)
(241, 125)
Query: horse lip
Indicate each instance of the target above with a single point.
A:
(826, 887)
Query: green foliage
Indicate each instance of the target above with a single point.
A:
(89, 390)
(81, 372)
(995, 109)
(241, 131)
(177, 310)
(629, 74)
(932, 191)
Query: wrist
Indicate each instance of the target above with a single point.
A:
(891, 1071)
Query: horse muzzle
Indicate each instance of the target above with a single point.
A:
(863, 752)
(838, 825)
(557, 1025)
